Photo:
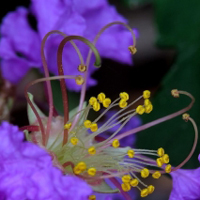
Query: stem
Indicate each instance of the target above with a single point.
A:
(62, 82)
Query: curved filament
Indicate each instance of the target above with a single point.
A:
(46, 72)
(62, 82)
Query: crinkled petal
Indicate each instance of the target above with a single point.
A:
(23, 40)
(56, 15)
(26, 171)
(186, 184)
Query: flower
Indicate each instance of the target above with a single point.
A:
(19, 45)
(26, 171)
(186, 185)
(75, 143)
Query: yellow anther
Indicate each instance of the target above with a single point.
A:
(82, 166)
(87, 123)
(94, 127)
(92, 171)
(96, 106)
(68, 126)
(148, 108)
(92, 100)
(124, 96)
(144, 173)
(147, 102)
(101, 97)
(106, 102)
(92, 150)
(144, 192)
(175, 93)
(82, 68)
(131, 153)
(92, 197)
(165, 158)
(134, 182)
(115, 143)
(140, 110)
(146, 94)
(151, 189)
(77, 170)
(159, 162)
(126, 178)
(125, 187)
(74, 140)
(168, 168)
(156, 175)
(79, 80)
(161, 152)
(186, 117)
(122, 103)
(132, 49)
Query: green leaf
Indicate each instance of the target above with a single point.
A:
(178, 25)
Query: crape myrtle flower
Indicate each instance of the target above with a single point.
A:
(19, 45)
(75, 142)
(26, 171)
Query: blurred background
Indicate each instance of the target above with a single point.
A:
(167, 57)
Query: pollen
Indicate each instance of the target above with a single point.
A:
(124, 96)
(165, 158)
(92, 197)
(161, 152)
(134, 182)
(82, 68)
(94, 127)
(159, 162)
(96, 106)
(74, 140)
(122, 103)
(77, 170)
(132, 49)
(168, 168)
(79, 80)
(92, 150)
(147, 102)
(68, 126)
(175, 93)
(144, 173)
(125, 187)
(115, 143)
(140, 110)
(87, 123)
(101, 97)
(82, 166)
(186, 117)
(146, 94)
(126, 178)
(144, 192)
(148, 108)
(92, 171)
(106, 102)
(156, 175)
(92, 100)
(131, 153)
(151, 189)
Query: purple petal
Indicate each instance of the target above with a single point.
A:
(186, 184)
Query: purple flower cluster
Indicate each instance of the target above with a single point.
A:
(26, 172)
(20, 44)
